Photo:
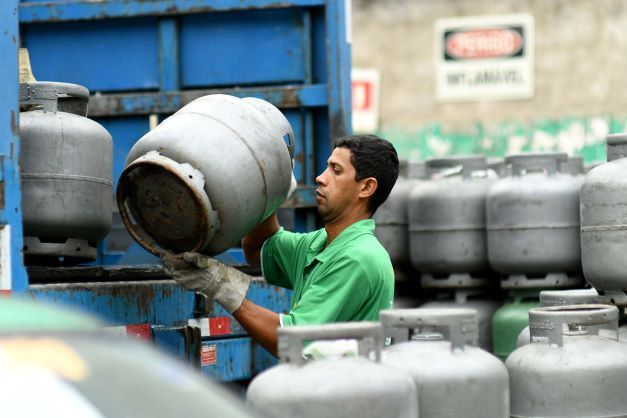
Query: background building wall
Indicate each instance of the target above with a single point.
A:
(580, 75)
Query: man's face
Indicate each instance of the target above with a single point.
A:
(337, 189)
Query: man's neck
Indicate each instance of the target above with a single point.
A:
(335, 228)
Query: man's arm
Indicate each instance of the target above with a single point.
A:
(252, 243)
(260, 323)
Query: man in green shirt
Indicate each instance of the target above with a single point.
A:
(338, 273)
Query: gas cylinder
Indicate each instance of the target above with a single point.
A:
(574, 366)
(66, 173)
(391, 217)
(533, 223)
(497, 166)
(603, 220)
(447, 223)
(207, 175)
(95, 375)
(569, 297)
(337, 386)
(476, 299)
(510, 319)
(573, 166)
(453, 377)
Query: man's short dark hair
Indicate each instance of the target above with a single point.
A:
(373, 157)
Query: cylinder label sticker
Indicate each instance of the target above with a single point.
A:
(208, 355)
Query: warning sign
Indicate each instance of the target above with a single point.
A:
(485, 58)
(365, 98)
(208, 355)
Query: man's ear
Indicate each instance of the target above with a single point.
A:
(368, 187)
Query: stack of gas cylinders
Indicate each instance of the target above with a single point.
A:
(480, 234)
(573, 366)
(531, 247)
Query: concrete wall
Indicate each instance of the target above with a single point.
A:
(580, 71)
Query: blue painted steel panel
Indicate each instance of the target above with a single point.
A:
(63, 10)
(143, 103)
(10, 197)
(125, 131)
(168, 54)
(319, 49)
(120, 303)
(159, 302)
(182, 342)
(227, 359)
(262, 359)
(112, 55)
(339, 65)
(242, 48)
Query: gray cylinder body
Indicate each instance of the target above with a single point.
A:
(603, 219)
(574, 366)
(66, 172)
(468, 299)
(344, 387)
(453, 377)
(207, 175)
(391, 217)
(533, 219)
(447, 219)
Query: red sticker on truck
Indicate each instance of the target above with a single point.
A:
(208, 355)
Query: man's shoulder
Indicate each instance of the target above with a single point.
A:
(285, 235)
(367, 245)
(366, 251)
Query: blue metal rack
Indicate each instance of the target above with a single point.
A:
(144, 58)
(13, 277)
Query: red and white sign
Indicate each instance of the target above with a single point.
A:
(139, 331)
(365, 96)
(208, 355)
(485, 58)
(484, 43)
(211, 327)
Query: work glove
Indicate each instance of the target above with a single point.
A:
(208, 276)
(293, 186)
(293, 183)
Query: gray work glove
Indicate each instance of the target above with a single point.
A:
(293, 184)
(208, 276)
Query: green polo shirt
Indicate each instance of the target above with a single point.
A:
(350, 280)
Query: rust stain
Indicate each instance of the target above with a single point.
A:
(289, 98)
(14, 123)
(141, 296)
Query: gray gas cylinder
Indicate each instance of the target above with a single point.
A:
(207, 175)
(343, 387)
(573, 166)
(447, 223)
(603, 219)
(391, 217)
(66, 173)
(477, 300)
(497, 166)
(533, 223)
(453, 377)
(574, 366)
(569, 297)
